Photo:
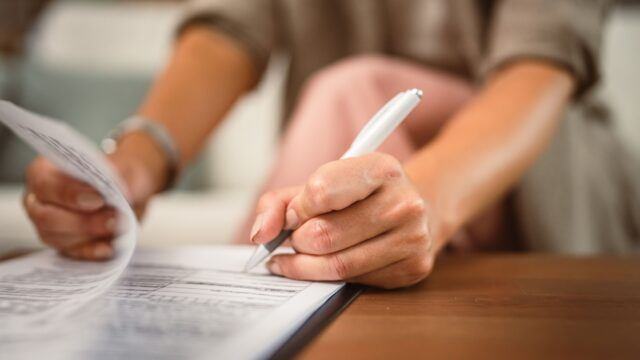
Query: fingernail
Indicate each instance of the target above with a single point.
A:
(110, 224)
(31, 199)
(255, 229)
(89, 201)
(274, 267)
(291, 220)
(102, 251)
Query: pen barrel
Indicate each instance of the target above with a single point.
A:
(278, 240)
(382, 126)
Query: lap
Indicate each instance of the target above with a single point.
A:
(374, 79)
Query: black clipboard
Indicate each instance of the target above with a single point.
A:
(322, 317)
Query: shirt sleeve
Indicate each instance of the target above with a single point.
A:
(564, 32)
(250, 22)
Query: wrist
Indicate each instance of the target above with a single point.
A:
(425, 172)
(144, 164)
(149, 147)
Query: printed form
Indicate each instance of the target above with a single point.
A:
(186, 302)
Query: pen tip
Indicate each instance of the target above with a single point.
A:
(258, 255)
(248, 266)
(416, 92)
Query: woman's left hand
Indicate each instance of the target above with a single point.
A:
(359, 220)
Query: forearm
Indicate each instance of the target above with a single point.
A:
(489, 145)
(206, 74)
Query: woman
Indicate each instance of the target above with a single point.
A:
(502, 81)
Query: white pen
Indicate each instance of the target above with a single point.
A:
(372, 135)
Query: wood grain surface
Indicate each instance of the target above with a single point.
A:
(506, 306)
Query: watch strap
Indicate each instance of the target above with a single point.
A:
(157, 132)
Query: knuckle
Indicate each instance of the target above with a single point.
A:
(420, 235)
(407, 208)
(388, 167)
(322, 236)
(318, 191)
(339, 267)
(415, 206)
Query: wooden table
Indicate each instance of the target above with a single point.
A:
(510, 306)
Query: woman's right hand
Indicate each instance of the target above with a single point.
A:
(72, 217)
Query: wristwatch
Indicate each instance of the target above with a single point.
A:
(157, 132)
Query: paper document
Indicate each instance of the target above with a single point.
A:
(157, 304)
(187, 302)
(77, 283)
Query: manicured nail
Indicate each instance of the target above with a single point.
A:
(102, 251)
(274, 267)
(110, 224)
(31, 199)
(255, 229)
(89, 201)
(291, 220)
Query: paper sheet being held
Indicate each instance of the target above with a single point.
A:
(173, 303)
(37, 297)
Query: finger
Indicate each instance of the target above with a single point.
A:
(56, 220)
(354, 261)
(338, 184)
(63, 242)
(95, 251)
(140, 210)
(338, 230)
(52, 186)
(403, 273)
(270, 214)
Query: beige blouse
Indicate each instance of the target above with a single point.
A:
(582, 196)
(470, 38)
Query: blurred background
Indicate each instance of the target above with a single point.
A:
(91, 62)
